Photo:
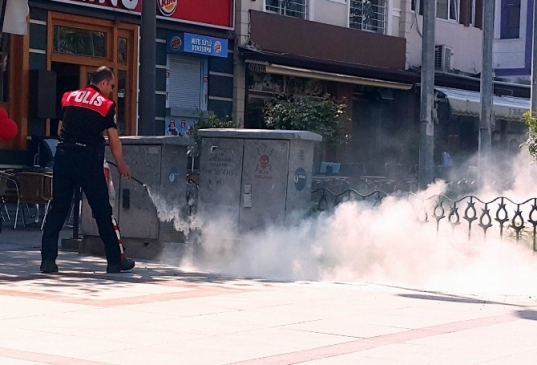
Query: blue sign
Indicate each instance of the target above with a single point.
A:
(300, 179)
(198, 44)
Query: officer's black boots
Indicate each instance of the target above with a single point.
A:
(48, 266)
(124, 265)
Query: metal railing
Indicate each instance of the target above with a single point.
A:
(293, 8)
(368, 15)
(501, 214)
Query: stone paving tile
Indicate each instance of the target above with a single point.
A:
(20, 307)
(42, 358)
(522, 358)
(43, 342)
(487, 342)
(402, 354)
(161, 315)
(220, 349)
(345, 327)
(191, 308)
(8, 361)
(98, 288)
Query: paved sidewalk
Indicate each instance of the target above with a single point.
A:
(160, 315)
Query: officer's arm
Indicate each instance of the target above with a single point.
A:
(117, 151)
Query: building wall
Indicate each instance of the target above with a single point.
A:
(334, 12)
(466, 42)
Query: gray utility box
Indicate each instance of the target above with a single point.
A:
(255, 178)
(160, 163)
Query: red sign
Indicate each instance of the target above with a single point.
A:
(208, 12)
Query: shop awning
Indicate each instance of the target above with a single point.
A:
(15, 15)
(464, 102)
(323, 75)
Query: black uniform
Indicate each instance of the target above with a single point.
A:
(79, 158)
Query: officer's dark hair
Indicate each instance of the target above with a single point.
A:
(102, 73)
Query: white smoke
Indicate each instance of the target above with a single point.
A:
(385, 244)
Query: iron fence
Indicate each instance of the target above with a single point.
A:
(505, 216)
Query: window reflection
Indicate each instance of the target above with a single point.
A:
(122, 50)
(121, 102)
(79, 41)
(4, 71)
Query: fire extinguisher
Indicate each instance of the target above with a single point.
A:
(112, 199)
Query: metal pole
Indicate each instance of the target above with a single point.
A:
(148, 33)
(487, 88)
(534, 63)
(426, 163)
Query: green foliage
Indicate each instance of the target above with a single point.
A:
(210, 121)
(531, 142)
(321, 115)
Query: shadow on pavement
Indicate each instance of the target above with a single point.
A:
(444, 298)
(527, 314)
(86, 274)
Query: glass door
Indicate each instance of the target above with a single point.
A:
(118, 94)
(111, 44)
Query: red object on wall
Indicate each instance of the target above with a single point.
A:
(192, 11)
(8, 129)
(3, 114)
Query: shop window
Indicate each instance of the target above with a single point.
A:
(293, 8)
(4, 64)
(79, 41)
(369, 15)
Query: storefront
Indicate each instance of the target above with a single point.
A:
(458, 113)
(187, 62)
(68, 39)
(330, 60)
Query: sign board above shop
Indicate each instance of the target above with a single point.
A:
(186, 11)
(196, 43)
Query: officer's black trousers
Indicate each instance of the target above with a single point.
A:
(83, 166)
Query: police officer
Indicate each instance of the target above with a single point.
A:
(85, 115)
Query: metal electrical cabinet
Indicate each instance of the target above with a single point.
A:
(254, 178)
(160, 163)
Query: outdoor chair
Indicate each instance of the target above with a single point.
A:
(9, 193)
(35, 188)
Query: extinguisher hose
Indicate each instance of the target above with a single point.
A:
(132, 177)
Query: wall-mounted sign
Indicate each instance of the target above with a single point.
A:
(300, 179)
(195, 43)
(187, 11)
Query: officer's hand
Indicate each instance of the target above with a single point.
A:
(124, 170)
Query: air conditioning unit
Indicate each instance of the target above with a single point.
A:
(442, 57)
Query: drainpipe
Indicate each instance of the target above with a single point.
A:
(146, 105)
(426, 162)
(486, 117)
